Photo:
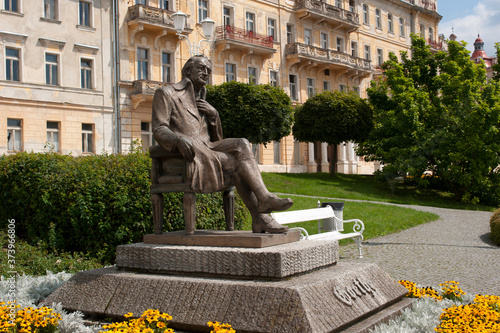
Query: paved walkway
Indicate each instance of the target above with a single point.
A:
(454, 247)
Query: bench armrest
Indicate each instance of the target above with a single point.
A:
(359, 226)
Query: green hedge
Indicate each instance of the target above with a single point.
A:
(495, 227)
(92, 203)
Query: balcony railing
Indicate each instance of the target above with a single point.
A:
(330, 56)
(153, 15)
(435, 45)
(242, 35)
(323, 8)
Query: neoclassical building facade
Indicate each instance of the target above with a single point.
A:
(304, 46)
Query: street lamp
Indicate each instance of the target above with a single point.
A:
(207, 25)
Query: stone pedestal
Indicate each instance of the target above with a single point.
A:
(295, 287)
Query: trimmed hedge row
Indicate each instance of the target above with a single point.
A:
(92, 203)
(495, 227)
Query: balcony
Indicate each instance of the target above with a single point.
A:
(153, 20)
(436, 46)
(144, 90)
(307, 54)
(230, 37)
(321, 11)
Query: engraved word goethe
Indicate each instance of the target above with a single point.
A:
(358, 289)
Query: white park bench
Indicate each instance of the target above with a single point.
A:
(321, 214)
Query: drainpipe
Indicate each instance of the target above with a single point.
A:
(116, 75)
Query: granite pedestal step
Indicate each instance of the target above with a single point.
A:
(326, 300)
(275, 262)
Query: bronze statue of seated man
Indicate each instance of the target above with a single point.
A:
(183, 121)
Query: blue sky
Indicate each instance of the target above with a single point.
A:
(469, 18)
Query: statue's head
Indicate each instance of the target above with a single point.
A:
(198, 69)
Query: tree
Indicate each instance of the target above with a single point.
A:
(260, 113)
(333, 117)
(496, 67)
(437, 112)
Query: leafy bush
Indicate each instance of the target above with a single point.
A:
(91, 204)
(495, 227)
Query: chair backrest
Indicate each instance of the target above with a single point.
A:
(303, 215)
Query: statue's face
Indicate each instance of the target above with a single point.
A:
(200, 73)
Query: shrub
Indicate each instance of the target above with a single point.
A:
(91, 204)
(495, 227)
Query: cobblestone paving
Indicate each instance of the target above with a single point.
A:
(454, 247)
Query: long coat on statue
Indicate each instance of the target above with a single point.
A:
(175, 114)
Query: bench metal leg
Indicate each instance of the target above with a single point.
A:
(157, 205)
(358, 241)
(190, 212)
(228, 199)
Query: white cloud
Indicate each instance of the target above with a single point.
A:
(484, 20)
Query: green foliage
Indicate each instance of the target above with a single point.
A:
(495, 227)
(437, 112)
(91, 204)
(496, 67)
(259, 113)
(333, 117)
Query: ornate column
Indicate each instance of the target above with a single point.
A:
(353, 159)
(342, 163)
(325, 166)
(311, 164)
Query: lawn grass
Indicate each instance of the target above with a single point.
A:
(362, 188)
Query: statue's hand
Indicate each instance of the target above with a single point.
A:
(207, 109)
(185, 146)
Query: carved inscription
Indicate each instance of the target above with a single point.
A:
(358, 289)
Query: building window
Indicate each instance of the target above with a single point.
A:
(50, 9)
(431, 34)
(141, 2)
(11, 64)
(324, 41)
(250, 22)
(340, 44)
(354, 49)
(422, 31)
(402, 32)
(230, 72)
(165, 67)
(85, 12)
(351, 6)
(252, 75)
(338, 4)
(12, 5)
(289, 33)
(202, 10)
(273, 78)
(142, 64)
(368, 52)
(256, 152)
(14, 135)
(86, 73)
(342, 88)
(310, 87)
(366, 14)
(327, 86)
(53, 138)
(271, 28)
(390, 23)
(87, 138)
(228, 16)
(378, 19)
(165, 4)
(293, 87)
(308, 36)
(380, 57)
(146, 136)
(51, 69)
(277, 152)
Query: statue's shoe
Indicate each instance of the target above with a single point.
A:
(274, 204)
(266, 223)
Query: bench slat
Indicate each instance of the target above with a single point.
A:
(334, 235)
